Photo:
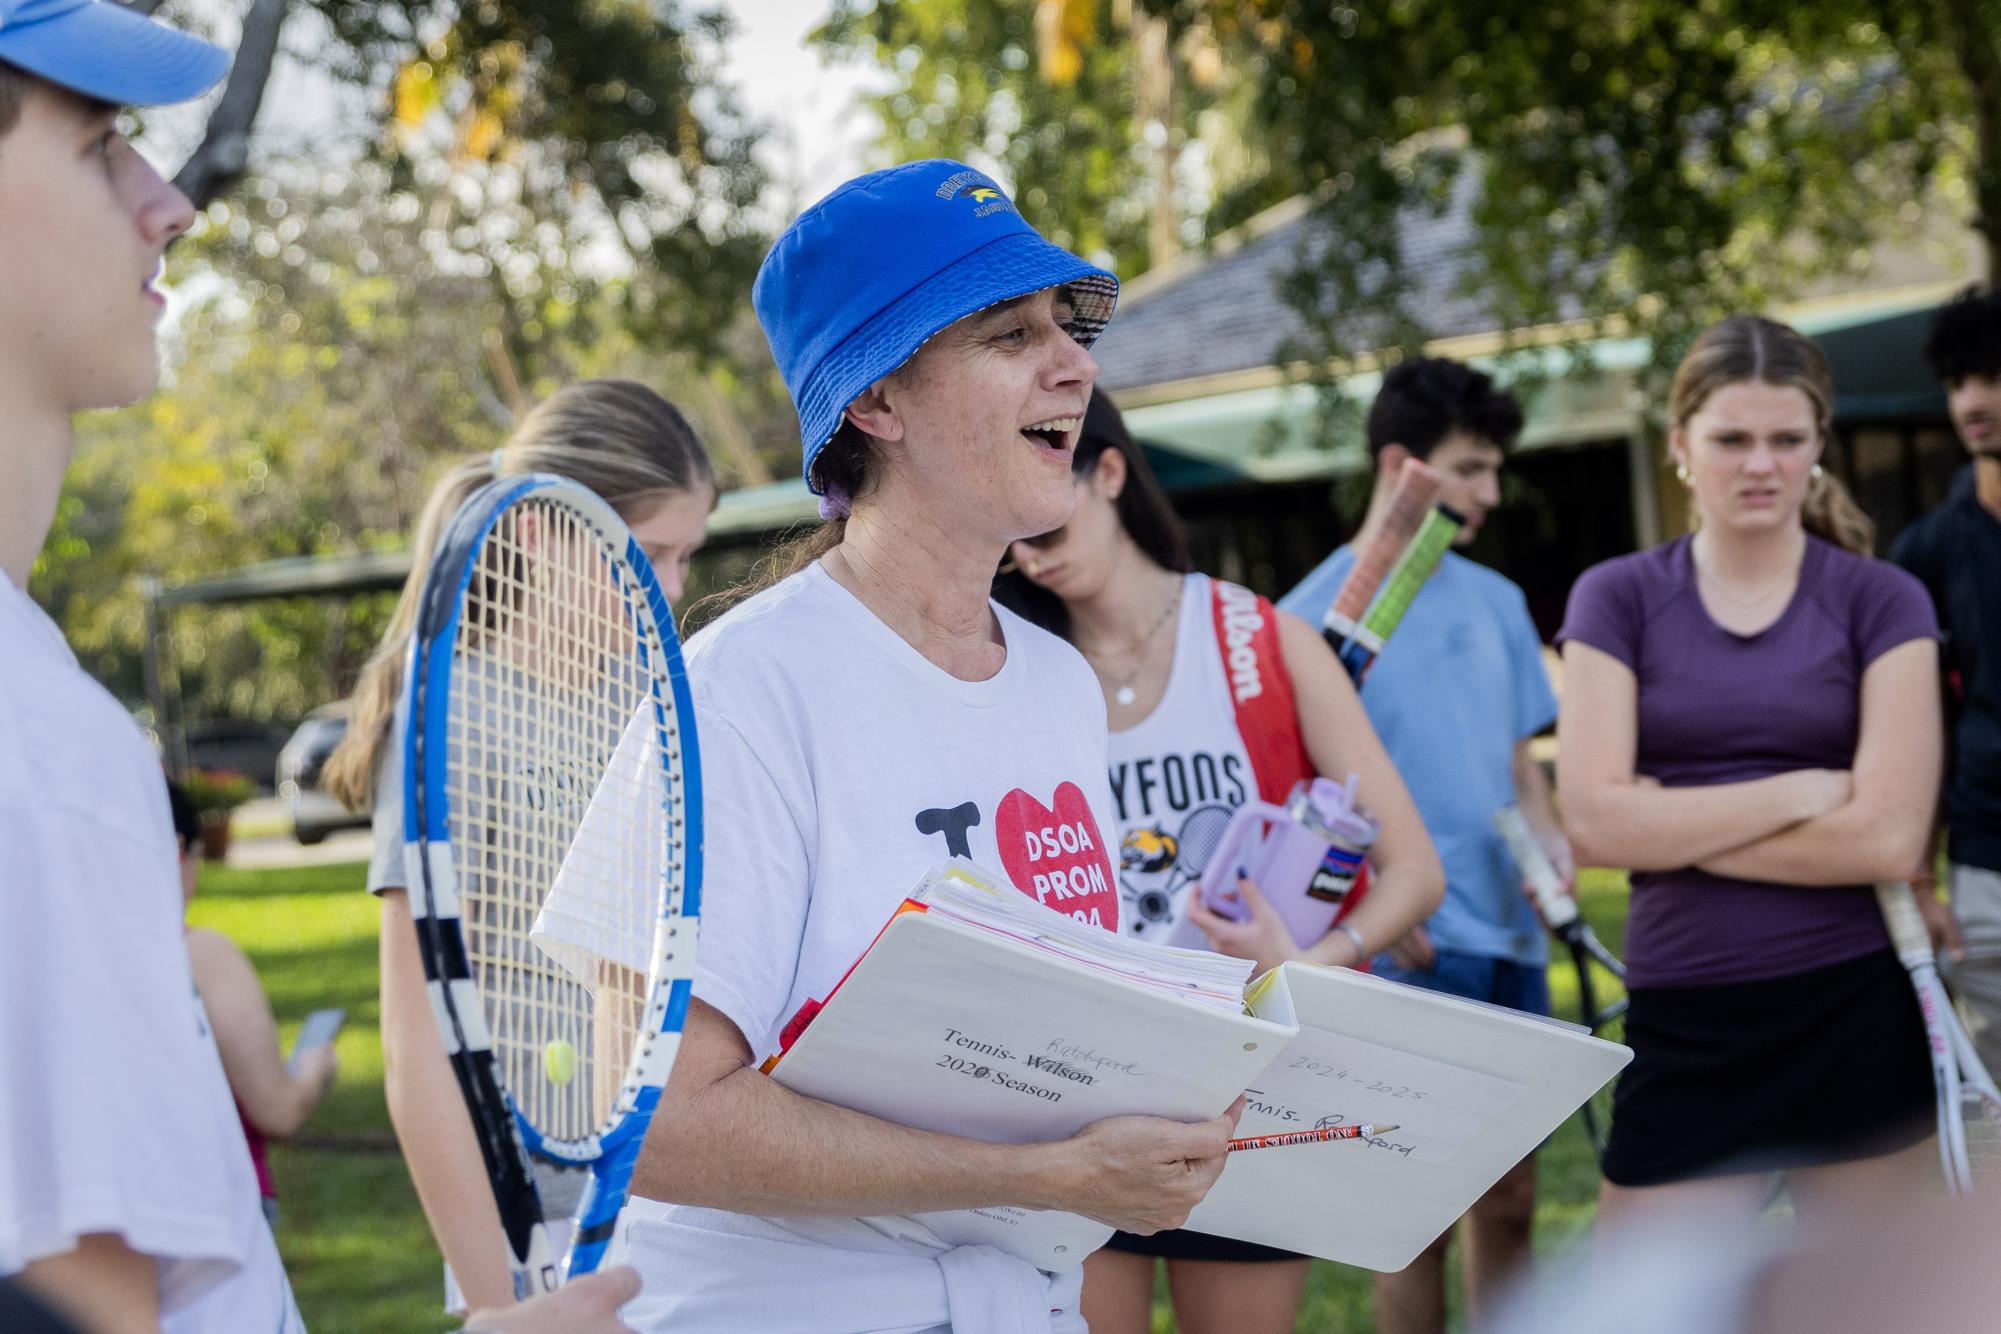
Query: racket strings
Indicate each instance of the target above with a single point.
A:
(1980, 1114)
(1983, 1139)
(556, 658)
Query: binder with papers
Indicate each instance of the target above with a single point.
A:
(979, 1012)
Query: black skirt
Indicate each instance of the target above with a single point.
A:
(1182, 1244)
(1825, 1066)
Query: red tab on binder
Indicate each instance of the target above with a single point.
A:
(807, 1012)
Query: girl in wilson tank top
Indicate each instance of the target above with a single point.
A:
(1214, 698)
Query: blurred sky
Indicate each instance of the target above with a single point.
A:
(821, 133)
(818, 132)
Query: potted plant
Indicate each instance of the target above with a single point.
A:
(215, 793)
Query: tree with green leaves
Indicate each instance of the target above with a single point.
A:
(545, 191)
(1102, 114)
(342, 354)
(569, 130)
(1641, 164)
(539, 128)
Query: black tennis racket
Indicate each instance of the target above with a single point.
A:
(1601, 978)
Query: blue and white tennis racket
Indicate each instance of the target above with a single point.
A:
(545, 686)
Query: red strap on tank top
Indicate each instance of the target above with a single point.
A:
(1261, 693)
(1260, 689)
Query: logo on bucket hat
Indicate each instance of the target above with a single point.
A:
(983, 192)
(866, 276)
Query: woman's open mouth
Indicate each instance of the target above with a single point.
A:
(1056, 435)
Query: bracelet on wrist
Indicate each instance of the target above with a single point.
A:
(1355, 939)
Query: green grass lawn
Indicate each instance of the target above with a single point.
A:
(353, 1238)
(352, 1234)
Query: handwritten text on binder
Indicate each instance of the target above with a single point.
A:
(1328, 1079)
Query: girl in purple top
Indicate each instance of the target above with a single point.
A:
(1750, 724)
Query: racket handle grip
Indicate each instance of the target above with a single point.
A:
(538, 1271)
(598, 1210)
(1356, 658)
(1907, 925)
(1559, 910)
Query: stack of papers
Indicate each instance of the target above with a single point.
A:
(980, 1012)
(963, 892)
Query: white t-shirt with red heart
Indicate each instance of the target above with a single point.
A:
(838, 765)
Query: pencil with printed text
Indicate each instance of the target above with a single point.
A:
(1320, 1136)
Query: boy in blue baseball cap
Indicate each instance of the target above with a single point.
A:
(129, 1202)
(84, 221)
(127, 1197)
(865, 716)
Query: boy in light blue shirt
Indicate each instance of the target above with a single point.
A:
(1455, 695)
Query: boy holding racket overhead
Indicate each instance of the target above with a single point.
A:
(127, 1197)
(1456, 696)
(1955, 551)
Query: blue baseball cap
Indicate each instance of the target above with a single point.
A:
(867, 275)
(107, 51)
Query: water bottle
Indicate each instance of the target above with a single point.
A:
(1304, 856)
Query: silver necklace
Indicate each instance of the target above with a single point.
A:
(1715, 584)
(1123, 693)
(1738, 600)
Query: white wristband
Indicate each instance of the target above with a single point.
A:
(1355, 937)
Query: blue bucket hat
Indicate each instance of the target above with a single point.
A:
(107, 51)
(868, 274)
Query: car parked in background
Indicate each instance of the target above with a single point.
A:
(235, 745)
(315, 813)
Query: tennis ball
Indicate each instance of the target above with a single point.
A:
(561, 1059)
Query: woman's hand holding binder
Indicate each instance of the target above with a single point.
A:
(1140, 1174)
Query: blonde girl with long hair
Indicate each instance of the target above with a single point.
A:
(636, 451)
(1750, 724)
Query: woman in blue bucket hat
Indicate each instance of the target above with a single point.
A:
(865, 715)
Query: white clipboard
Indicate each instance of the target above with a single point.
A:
(1495, 1082)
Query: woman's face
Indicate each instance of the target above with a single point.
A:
(1076, 560)
(1749, 451)
(671, 532)
(984, 419)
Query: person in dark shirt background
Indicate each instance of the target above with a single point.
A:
(1956, 551)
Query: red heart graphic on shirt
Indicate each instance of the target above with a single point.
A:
(1056, 856)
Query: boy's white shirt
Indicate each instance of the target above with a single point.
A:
(115, 1115)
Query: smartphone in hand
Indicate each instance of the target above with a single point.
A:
(320, 1028)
